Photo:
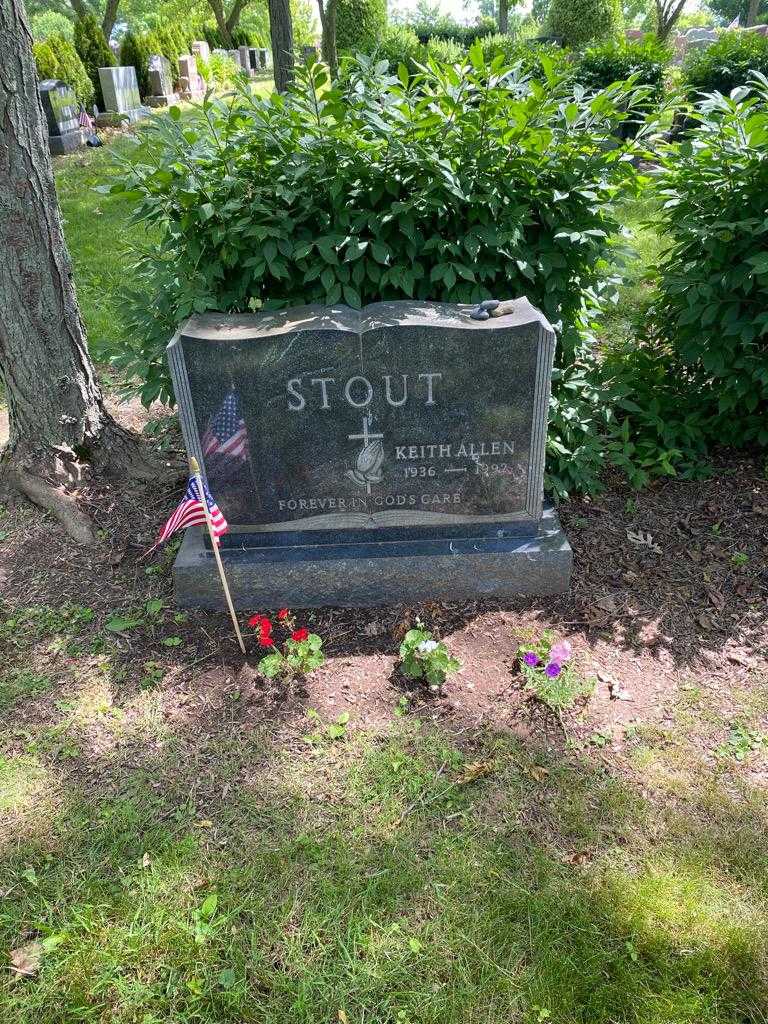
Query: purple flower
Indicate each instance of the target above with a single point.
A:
(552, 670)
(561, 652)
(530, 659)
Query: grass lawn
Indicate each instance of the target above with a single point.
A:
(181, 844)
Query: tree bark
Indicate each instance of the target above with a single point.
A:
(110, 16)
(281, 30)
(221, 22)
(754, 6)
(233, 18)
(59, 427)
(503, 17)
(328, 21)
(667, 13)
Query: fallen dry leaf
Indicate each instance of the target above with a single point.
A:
(343, 1018)
(643, 539)
(474, 771)
(25, 961)
(706, 621)
(538, 773)
(576, 859)
(716, 599)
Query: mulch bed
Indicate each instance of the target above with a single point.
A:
(670, 588)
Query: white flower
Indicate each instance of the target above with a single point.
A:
(427, 646)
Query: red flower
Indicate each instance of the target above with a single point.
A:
(265, 627)
(300, 634)
(255, 621)
(283, 614)
(266, 641)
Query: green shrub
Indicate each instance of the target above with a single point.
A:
(134, 53)
(528, 55)
(45, 61)
(219, 71)
(725, 64)
(713, 309)
(615, 61)
(577, 22)
(445, 27)
(455, 187)
(446, 50)
(69, 68)
(360, 24)
(399, 45)
(93, 51)
(50, 23)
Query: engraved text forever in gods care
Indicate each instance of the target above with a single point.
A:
(359, 392)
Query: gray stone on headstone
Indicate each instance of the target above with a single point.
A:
(121, 92)
(364, 457)
(61, 115)
(253, 59)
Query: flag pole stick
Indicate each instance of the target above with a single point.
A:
(195, 468)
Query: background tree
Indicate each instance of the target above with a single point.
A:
(667, 13)
(281, 31)
(93, 51)
(59, 428)
(327, 10)
(360, 24)
(577, 22)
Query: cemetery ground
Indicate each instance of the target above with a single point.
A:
(184, 841)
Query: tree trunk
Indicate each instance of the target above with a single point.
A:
(503, 16)
(110, 16)
(281, 30)
(328, 22)
(233, 18)
(667, 13)
(752, 10)
(221, 22)
(56, 413)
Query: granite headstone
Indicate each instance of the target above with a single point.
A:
(191, 83)
(61, 115)
(362, 457)
(201, 50)
(121, 92)
(160, 82)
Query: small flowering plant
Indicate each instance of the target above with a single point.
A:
(297, 653)
(422, 656)
(549, 674)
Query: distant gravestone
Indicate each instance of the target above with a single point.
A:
(121, 92)
(191, 83)
(201, 50)
(160, 82)
(61, 115)
(243, 56)
(253, 60)
(700, 38)
(390, 454)
(263, 58)
(308, 53)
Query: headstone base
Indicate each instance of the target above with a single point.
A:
(361, 574)
(167, 100)
(67, 143)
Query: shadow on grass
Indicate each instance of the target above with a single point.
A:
(364, 876)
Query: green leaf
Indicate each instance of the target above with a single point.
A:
(121, 624)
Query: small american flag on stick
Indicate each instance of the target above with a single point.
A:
(191, 513)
